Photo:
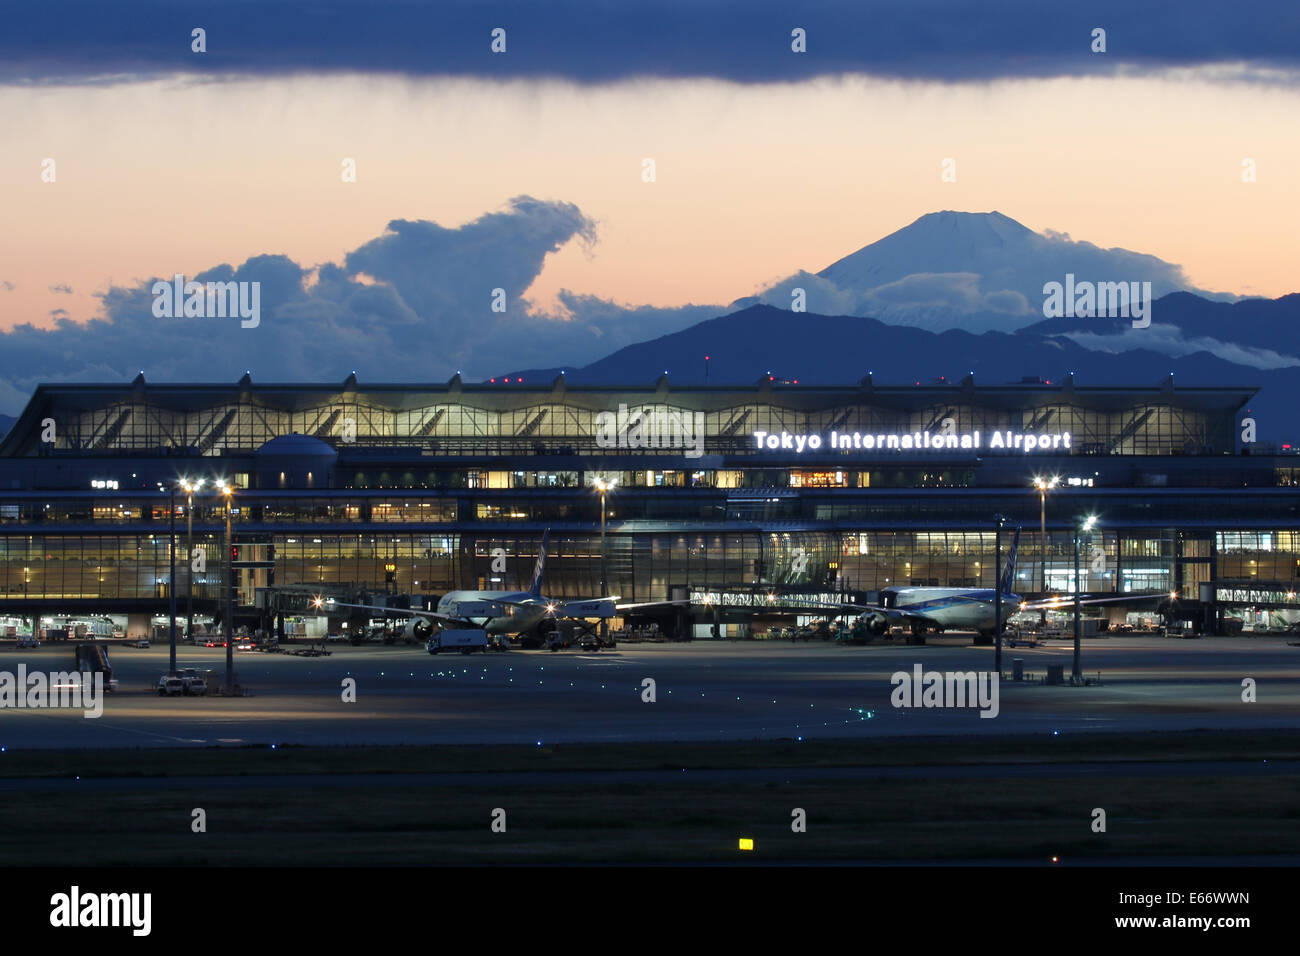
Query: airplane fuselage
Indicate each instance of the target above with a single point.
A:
(955, 608)
(490, 610)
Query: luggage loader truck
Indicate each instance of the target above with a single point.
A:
(465, 640)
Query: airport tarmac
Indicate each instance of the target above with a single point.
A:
(704, 690)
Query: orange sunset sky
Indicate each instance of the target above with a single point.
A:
(752, 181)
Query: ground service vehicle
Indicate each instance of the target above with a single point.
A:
(465, 640)
(93, 659)
(170, 686)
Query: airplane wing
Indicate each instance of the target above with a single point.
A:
(1067, 600)
(894, 615)
(465, 611)
(330, 604)
(897, 615)
(604, 607)
(881, 614)
(631, 607)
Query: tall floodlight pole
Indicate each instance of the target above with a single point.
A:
(190, 487)
(603, 486)
(227, 491)
(997, 593)
(1080, 527)
(1044, 486)
(171, 584)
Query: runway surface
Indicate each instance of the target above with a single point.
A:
(704, 690)
(614, 778)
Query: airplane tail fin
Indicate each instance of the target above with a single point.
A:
(536, 588)
(1009, 572)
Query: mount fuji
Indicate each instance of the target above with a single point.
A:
(964, 270)
(962, 293)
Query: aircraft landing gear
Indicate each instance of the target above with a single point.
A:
(540, 636)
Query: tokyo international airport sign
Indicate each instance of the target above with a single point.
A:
(996, 441)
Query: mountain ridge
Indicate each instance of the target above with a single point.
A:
(819, 349)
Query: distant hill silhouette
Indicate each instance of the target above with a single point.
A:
(822, 349)
(1267, 324)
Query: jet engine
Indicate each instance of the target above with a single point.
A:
(417, 630)
(875, 622)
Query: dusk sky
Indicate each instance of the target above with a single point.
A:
(766, 161)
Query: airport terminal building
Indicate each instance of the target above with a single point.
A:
(730, 496)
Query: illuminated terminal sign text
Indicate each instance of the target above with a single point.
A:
(915, 441)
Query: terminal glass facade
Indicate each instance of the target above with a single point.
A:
(419, 490)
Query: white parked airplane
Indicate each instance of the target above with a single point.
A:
(500, 612)
(970, 609)
(921, 608)
(963, 609)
